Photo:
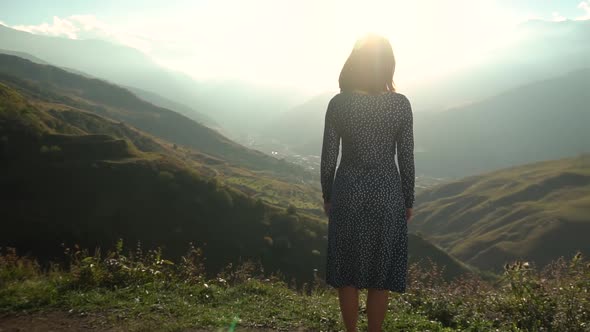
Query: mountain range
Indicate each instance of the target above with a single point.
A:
(120, 104)
(530, 90)
(537, 121)
(97, 148)
(233, 107)
(536, 51)
(69, 174)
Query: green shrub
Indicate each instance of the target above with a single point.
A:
(53, 149)
(166, 176)
(14, 268)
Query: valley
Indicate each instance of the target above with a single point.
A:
(88, 178)
(160, 165)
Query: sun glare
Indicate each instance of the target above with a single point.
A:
(304, 44)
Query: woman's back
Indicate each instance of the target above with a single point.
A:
(370, 128)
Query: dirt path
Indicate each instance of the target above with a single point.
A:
(63, 321)
(54, 321)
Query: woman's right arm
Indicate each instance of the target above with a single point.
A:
(330, 150)
(405, 157)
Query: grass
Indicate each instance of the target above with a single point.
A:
(144, 291)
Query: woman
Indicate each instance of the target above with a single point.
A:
(368, 202)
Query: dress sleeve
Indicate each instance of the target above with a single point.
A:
(405, 158)
(329, 157)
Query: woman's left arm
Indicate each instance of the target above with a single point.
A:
(405, 158)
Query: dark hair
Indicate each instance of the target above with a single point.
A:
(369, 67)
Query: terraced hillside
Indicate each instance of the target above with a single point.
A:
(534, 212)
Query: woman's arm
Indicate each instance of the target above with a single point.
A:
(330, 149)
(405, 157)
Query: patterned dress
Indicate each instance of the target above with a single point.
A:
(367, 228)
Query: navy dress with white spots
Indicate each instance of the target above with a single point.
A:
(367, 228)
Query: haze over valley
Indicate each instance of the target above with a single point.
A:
(200, 125)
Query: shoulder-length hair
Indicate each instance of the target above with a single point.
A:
(369, 67)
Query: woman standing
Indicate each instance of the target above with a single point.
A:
(369, 201)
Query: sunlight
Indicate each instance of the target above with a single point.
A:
(197, 165)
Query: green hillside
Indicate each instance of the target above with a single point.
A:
(57, 85)
(62, 182)
(535, 212)
(148, 96)
(207, 152)
(71, 176)
(424, 253)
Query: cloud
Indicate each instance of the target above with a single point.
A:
(88, 27)
(59, 27)
(556, 17)
(585, 6)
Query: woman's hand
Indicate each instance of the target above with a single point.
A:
(409, 213)
(327, 207)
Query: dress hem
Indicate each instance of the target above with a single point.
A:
(363, 286)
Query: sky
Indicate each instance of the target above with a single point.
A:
(299, 44)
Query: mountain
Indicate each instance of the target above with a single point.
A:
(148, 96)
(301, 128)
(535, 212)
(119, 104)
(537, 50)
(164, 102)
(24, 56)
(71, 176)
(243, 108)
(259, 176)
(541, 51)
(235, 106)
(539, 121)
(123, 65)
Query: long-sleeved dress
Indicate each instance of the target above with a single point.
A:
(367, 228)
